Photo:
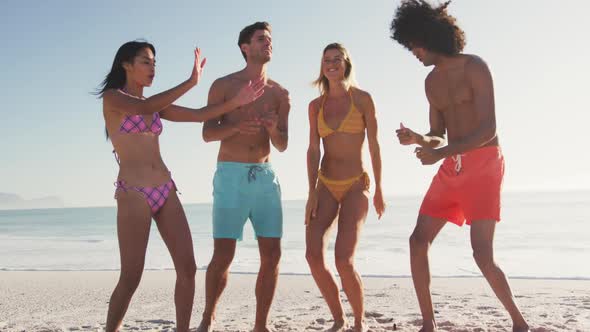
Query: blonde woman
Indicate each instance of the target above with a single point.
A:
(341, 117)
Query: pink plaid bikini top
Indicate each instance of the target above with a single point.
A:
(134, 124)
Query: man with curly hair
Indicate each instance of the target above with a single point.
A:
(467, 186)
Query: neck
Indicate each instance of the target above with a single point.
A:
(444, 61)
(255, 71)
(133, 89)
(337, 89)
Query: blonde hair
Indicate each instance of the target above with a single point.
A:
(349, 80)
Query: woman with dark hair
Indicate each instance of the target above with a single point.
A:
(144, 187)
(341, 117)
(467, 186)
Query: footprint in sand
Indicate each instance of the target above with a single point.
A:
(384, 320)
(446, 324)
(160, 321)
(416, 322)
(373, 314)
(485, 308)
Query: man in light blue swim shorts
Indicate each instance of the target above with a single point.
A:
(245, 186)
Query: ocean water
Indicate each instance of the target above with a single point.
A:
(541, 235)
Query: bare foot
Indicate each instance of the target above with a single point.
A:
(338, 326)
(359, 327)
(205, 326)
(428, 328)
(261, 329)
(520, 328)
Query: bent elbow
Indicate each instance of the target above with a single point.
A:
(207, 136)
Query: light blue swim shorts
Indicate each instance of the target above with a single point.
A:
(244, 191)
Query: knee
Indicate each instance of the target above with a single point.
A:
(271, 258)
(187, 272)
(315, 258)
(128, 281)
(221, 259)
(344, 264)
(418, 243)
(484, 259)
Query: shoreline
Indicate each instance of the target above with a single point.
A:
(307, 274)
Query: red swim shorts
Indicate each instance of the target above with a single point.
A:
(467, 187)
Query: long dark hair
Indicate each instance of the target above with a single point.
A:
(116, 78)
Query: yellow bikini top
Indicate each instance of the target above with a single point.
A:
(353, 122)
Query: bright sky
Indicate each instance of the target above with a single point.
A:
(55, 52)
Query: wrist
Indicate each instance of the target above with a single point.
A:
(421, 140)
(234, 103)
(191, 82)
(443, 152)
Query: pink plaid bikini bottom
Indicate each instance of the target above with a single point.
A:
(155, 196)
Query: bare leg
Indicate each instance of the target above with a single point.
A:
(173, 227)
(316, 240)
(353, 212)
(427, 228)
(482, 238)
(216, 279)
(266, 283)
(133, 229)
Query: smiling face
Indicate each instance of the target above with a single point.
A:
(143, 68)
(334, 65)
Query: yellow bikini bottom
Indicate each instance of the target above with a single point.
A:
(339, 188)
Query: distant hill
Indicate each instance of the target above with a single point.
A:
(9, 201)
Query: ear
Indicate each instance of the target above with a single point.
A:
(126, 66)
(245, 48)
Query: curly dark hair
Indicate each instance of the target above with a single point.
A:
(418, 23)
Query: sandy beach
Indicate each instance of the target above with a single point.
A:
(77, 301)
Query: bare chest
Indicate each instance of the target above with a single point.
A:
(267, 103)
(450, 91)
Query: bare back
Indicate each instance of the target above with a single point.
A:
(461, 98)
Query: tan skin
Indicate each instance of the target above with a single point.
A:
(141, 165)
(461, 96)
(246, 136)
(342, 160)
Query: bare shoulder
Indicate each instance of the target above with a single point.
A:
(430, 80)
(362, 98)
(224, 81)
(109, 94)
(277, 88)
(474, 64)
(314, 105)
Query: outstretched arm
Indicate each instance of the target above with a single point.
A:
(247, 94)
(119, 101)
